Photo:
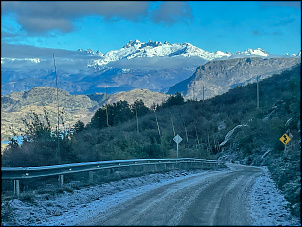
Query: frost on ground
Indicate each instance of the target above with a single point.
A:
(268, 205)
(70, 208)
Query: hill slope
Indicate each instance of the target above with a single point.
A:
(18, 105)
(147, 96)
(218, 76)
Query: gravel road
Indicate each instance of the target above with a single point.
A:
(215, 198)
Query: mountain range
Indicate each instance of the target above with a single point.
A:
(137, 49)
(152, 65)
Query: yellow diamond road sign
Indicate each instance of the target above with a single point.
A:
(284, 139)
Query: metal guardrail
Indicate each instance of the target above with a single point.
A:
(17, 173)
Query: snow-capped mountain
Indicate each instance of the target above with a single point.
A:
(250, 52)
(90, 51)
(258, 51)
(137, 49)
(152, 65)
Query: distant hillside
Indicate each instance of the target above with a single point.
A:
(96, 81)
(18, 105)
(45, 96)
(218, 76)
(99, 97)
(147, 96)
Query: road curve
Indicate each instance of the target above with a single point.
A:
(209, 198)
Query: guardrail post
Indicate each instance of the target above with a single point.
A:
(17, 188)
(61, 180)
(91, 176)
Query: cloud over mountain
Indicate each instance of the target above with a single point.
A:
(41, 17)
(158, 62)
(42, 58)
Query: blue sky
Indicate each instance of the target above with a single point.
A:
(104, 26)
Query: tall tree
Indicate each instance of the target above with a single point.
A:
(174, 100)
(78, 126)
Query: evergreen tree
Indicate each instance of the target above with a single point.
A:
(78, 126)
(139, 108)
(99, 119)
(174, 100)
(121, 112)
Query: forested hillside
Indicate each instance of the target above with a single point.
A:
(123, 131)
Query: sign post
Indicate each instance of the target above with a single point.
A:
(177, 139)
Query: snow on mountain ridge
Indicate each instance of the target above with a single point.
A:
(258, 51)
(90, 51)
(137, 49)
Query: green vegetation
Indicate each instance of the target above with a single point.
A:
(135, 131)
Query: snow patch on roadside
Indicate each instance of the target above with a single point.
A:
(268, 205)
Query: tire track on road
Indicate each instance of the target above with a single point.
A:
(209, 198)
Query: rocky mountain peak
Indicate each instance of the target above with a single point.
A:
(89, 51)
(99, 53)
(136, 42)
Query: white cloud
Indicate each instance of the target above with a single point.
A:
(155, 63)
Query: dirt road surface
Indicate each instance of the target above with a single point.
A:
(211, 198)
